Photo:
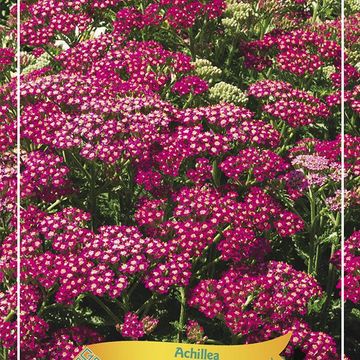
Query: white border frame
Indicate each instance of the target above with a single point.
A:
(18, 189)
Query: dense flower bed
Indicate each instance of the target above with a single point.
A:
(181, 171)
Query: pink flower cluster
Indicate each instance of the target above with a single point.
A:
(287, 14)
(7, 115)
(299, 51)
(7, 57)
(134, 328)
(8, 177)
(295, 107)
(263, 164)
(269, 299)
(190, 84)
(79, 261)
(320, 163)
(44, 175)
(144, 120)
(352, 267)
(62, 344)
(195, 332)
(180, 14)
(48, 20)
(76, 261)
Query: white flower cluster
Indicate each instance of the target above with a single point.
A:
(237, 13)
(206, 70)
(228, 93)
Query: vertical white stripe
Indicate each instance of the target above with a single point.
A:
(18, 137)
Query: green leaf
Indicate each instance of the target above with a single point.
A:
(333, 238)
(98, 321)
(316, 305)
(355, 313)
(216, 173)
(301, 248)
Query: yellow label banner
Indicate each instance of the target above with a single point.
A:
(147, 350)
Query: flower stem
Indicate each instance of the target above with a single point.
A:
(10, 316)
(56, 203)
(182, 316)
(312, 253)
(215, 240)
(80, 166)
(331, 280)
(146, 306)
(104, 307)
(211, 264)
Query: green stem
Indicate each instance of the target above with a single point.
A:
(215, 240)
(188, 101)
(235, 339)
(3, 354)
(249, 176)
(45, 307)
(315, 12)
(10, 316)
(126, 301)
(265, 27)
(147, 305)
(316, 258)
(192, 45)
(121, 305)
(104, 307)
(312, 232)
(80, 166)
(211, 264)
(56, 203)
(48, 52)
(134, 286)
(218, 236)
(331, 281)
(182, 316)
